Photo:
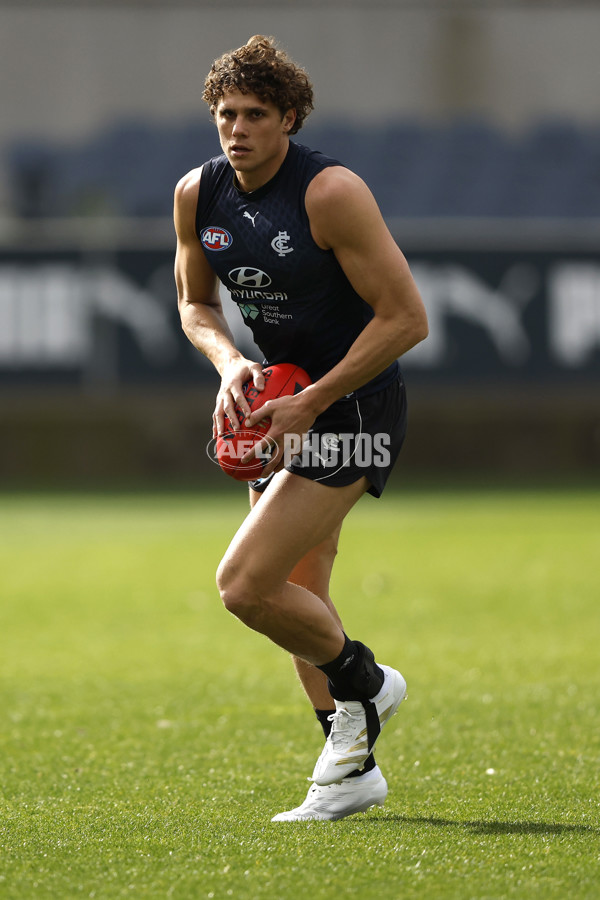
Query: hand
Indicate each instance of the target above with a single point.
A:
(291, 418)
(234, 377)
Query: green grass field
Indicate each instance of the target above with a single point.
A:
(147, 737)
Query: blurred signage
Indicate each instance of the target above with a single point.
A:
(49, 312)
(82, 318)
(506, 315)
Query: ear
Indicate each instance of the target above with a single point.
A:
(288, 120)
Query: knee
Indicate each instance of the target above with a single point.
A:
(236, 592)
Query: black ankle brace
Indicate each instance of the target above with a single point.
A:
(354, 674)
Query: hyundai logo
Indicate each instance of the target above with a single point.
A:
(246, 276)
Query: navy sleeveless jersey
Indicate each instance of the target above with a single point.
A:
(293, 295)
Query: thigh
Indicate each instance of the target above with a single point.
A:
(294, 516)
(313, 571)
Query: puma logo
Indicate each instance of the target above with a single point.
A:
(252, 218)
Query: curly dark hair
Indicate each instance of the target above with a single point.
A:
(260, 68)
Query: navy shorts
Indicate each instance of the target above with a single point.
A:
(354, 437)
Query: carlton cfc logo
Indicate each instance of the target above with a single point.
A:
(215, 238)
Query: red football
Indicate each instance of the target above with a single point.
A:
(280, 381)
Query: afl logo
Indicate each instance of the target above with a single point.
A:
(214, 238)
(246, 276)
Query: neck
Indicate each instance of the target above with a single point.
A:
(252, 181)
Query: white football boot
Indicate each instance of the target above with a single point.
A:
(347, 746)
(336, 801)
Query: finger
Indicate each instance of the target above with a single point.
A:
(218, 421)
(264, 449)
(243, 404)
(257, 377)
(231, 413)
(253, 418)
(253, 452)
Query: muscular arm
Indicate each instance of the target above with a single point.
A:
(345, 218)
(201, 311)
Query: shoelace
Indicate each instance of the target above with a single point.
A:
(343, 724)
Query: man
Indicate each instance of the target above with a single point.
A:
(331, 292)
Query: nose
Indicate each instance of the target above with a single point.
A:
(239, 126)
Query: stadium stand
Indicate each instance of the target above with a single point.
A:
(465, 168)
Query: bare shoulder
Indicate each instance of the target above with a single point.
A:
(336, 184)
(186, 200)
(338, 202)
(189, 183)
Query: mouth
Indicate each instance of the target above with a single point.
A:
(239, 150)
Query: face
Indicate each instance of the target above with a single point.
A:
(254, 136)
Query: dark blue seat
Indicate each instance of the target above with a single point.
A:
(546, 167)
(465, 167)
(32, 171)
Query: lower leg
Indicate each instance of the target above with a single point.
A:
(314, 572)
(314, 683)
(311, 576)
(291, 616)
